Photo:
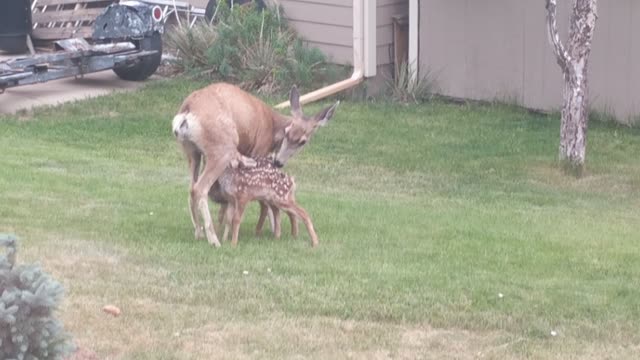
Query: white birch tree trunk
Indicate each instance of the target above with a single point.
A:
(573, 61)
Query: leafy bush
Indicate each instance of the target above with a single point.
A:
(255, 49)
(28, 298)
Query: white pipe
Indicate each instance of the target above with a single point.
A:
(414, 16)
(358, 59)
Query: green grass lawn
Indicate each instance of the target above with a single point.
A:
(425, 215)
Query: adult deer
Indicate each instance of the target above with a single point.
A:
(221, 122)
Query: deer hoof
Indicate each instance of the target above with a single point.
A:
(199, 233)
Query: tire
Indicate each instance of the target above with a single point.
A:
(146, 66)
(212, 4)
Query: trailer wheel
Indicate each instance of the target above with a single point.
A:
(147, 65)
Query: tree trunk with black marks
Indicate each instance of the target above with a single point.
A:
(573, 61)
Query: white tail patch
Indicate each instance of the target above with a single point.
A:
(184, 126)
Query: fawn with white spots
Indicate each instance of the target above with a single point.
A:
(238, 185)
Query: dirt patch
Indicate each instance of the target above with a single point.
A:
(326, 338)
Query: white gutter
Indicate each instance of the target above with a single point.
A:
(364, 53)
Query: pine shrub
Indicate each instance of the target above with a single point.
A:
(28, 299)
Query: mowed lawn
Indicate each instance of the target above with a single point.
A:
(446, 231)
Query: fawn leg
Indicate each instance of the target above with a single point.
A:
(228, 216)
(263, 215)
(277, 231)
(237, 219)
(296, 210)
(221, 213)
(266, 210)
(294, 225)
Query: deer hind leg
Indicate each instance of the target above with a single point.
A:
(199, 193)
(194, 157)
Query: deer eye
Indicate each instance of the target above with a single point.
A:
(302, 142)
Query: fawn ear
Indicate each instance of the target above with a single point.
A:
(323, 117)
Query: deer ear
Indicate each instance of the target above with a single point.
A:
(294, 100)
(326, 114)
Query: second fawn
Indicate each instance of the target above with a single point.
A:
(263, 182)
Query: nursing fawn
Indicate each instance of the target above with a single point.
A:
(238, 185)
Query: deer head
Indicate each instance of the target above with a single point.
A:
(300, 128)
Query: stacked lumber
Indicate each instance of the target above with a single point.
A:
(63, 19)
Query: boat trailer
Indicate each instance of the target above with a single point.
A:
(126, 38)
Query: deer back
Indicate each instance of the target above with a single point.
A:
(229, 116)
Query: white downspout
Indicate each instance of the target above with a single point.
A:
(369, 37)
(364, 12)
(414, 16)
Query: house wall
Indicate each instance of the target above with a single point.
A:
(499, 50)
(328, 25)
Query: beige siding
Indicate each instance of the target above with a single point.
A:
(325, 24)
(498, 49)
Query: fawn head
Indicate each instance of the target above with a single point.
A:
(300, 129)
